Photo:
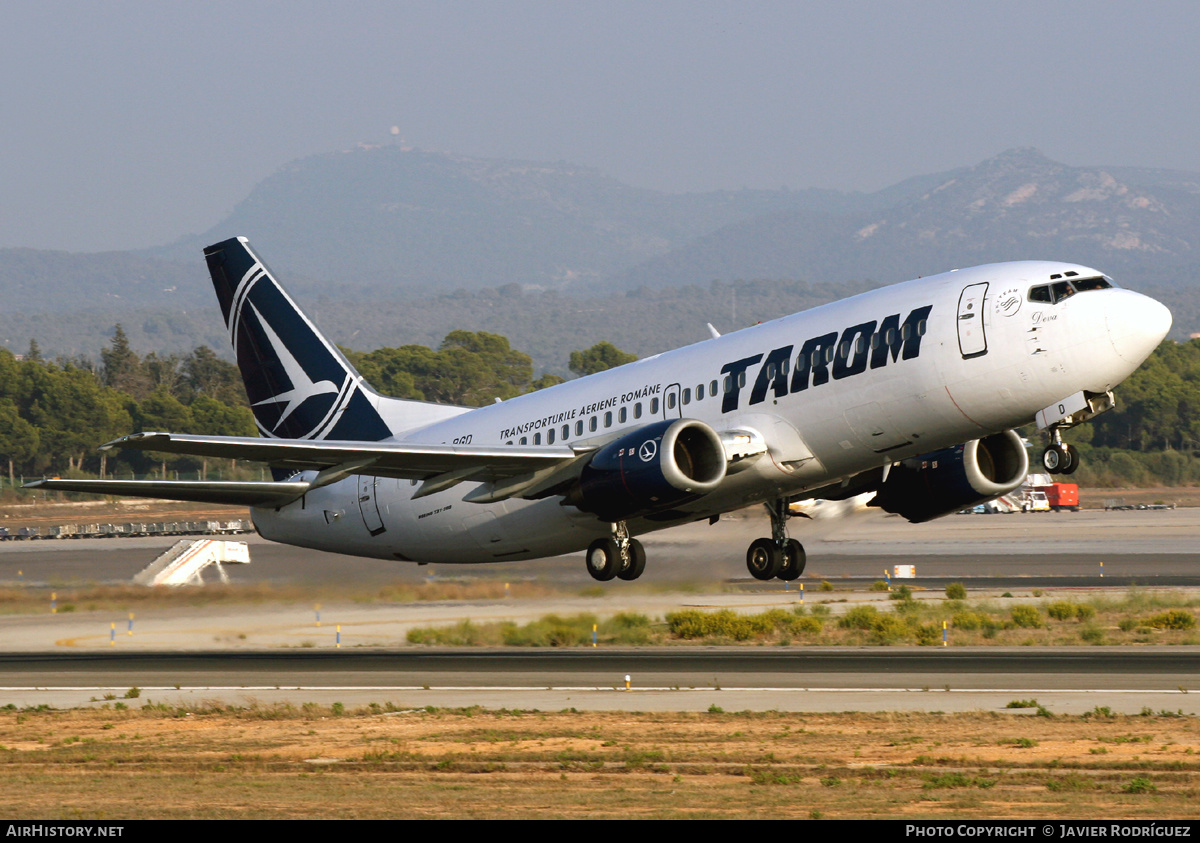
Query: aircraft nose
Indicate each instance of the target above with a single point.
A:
(1136, 325)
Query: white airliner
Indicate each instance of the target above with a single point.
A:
(910, 391)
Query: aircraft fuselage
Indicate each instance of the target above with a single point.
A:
(833, 392)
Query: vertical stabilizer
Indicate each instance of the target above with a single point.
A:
(300, 386)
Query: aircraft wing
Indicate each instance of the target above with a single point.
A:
(516, 470)
(404, 460)
(264, 493)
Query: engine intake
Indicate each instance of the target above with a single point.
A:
(654, 467)
(941, 482)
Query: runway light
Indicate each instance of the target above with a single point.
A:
(112, 634)
(130, 631)
(339, 636)
(626, 681)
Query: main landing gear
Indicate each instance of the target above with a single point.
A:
(621, 556)
(1059, 458)
(777, 557)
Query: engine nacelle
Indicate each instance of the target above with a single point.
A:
(649, 469)
(941, 482)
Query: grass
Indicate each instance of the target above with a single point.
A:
(1139, 617)
(310, 761)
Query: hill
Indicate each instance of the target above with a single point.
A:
(388, 245)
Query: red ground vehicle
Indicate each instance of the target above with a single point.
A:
(1062, 496)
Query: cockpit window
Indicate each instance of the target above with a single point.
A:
(1085, 284)
(1059, 290)
(1062, 290)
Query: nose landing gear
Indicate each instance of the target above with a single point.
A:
(777, 557)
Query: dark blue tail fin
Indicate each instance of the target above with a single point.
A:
(300, 386)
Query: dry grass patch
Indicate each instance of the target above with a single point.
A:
(387, 762)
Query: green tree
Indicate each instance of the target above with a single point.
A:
(469, 368)
(600, 357)
(122, 368)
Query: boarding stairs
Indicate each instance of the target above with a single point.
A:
(183, 563)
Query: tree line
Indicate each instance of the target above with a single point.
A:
(55, 413)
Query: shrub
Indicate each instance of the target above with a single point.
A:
(1140, 784)
(1061, 611)
(956, 591)
(1172, 619)
(1026, 617)
(551, 631)
(888, 629)
(860, 617)
(928, 634)
(966, 620)
(807, 625)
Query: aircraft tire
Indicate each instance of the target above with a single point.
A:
(637, 561)
(763, 559)
(794, 560)
(603, 559)
(1072, 460)
(1053, 459)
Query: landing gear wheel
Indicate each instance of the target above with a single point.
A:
(1056, 459)
(1072, 460)
(637, 561)
(763, 559)
(603, 559)
(794, 560)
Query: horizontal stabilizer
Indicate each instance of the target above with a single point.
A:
(265, 493)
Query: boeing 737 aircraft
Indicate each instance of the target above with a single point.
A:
(910, 391)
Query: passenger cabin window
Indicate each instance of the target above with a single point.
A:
(654, 406)
(637, 410)
(622, 414)
(687, 395)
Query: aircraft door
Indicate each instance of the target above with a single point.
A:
(672, 407)
(368, 504)
(972, 339)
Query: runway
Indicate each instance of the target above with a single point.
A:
(1138, 545)
(1063, 680)
(276, 653)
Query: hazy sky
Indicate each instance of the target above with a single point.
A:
(129, 124)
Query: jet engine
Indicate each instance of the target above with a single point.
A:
(941, 482)
(652, 468)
